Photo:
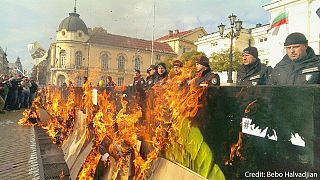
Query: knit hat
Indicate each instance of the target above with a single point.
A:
(251, 50)
(203, 60)
(177, 63)
(162, 64)
(295, 38)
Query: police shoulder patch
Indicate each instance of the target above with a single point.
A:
(214, 81)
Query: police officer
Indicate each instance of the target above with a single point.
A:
(205, 76)
(299, 66)
(252, 72)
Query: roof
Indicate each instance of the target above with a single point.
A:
(174, 35)
(128, 42)
(73, 23)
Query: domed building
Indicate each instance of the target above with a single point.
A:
(80, 52)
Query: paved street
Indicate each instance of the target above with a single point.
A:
(18, 150)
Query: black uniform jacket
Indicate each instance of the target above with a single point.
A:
(209, 78)
(301, 71)
(253, 74)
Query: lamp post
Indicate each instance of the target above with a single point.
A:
(234, 32)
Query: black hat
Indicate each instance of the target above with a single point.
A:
(162, 64)
(177, 62)
(251, 50)
(203, 60)
(295, 38)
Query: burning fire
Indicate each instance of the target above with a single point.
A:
(235, 149)
(118, 125)
(31, 116)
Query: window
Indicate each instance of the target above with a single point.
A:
(80, 34)
(120, 81)
(78, 81)
(185, 50)
(78, 59)
(62, 58)
(265, 61)
(104, 61)
(137, 63)
(263, 39)
(121, 63)
(158, 57)
(214, 44)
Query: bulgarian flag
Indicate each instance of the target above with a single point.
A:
(282, 18)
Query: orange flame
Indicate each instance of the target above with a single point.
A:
(61, 176)
(168, 105)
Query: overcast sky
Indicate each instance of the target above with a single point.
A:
(26, 21)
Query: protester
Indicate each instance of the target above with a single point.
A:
(33, 90)
(162, 73)
(109, 82)
(177, 65)
(152, 76)
(138, 81)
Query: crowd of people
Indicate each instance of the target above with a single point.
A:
(16, 92)
(299, 66)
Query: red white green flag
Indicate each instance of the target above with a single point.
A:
(282, 18)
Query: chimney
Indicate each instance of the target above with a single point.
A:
(176, 31)
(170, 33)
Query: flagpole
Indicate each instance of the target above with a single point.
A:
(153, 25)
(287, 27)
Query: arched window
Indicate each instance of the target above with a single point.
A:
(61, 80)
(78, 59)
(78, 81)
(62, 58)
(121, 63)
(137, 63)
(104, 61)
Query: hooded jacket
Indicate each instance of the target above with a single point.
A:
(302, 71)
(253, 74)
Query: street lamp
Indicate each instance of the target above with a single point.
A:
(234, 32)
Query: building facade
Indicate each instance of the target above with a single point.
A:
(4, 64)
(213, 42)
(79, 52)
(182, 42)
(302, 18)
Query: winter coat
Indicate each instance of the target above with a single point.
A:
(253, 74)
(207, 77)
(299, 72)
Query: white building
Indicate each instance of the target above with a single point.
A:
(4, 69)
(302, 18)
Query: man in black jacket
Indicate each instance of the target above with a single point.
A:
(299, 66)
(205, 76)
(252, 72)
